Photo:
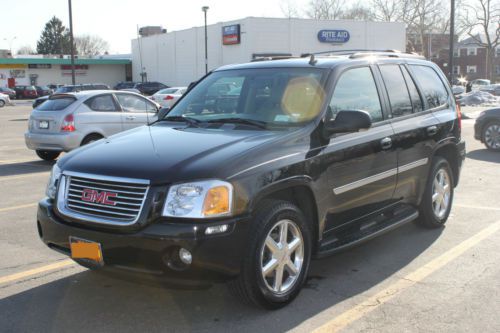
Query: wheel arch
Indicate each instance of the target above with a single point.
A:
(91, 134)
(298, 191)
(448, 150)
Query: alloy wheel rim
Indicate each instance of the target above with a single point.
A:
(282, 256)
(492, 136)
(441, 192)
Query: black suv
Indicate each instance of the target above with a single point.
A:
(149, 88)
(309, 157)
(71, 88)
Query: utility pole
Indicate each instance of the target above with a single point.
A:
(205, 9)
(452, 40)
(73, 81)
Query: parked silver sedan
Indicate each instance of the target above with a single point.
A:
(67, 121)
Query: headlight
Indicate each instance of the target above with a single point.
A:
(209, 198)
(55, 174)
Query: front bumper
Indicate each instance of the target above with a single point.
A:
(53, 141)
(145, 253)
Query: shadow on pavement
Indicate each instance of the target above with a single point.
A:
(22, 168)
(93, 302)
(484, 155)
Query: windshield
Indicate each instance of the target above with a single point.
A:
(56, 104)
(65, 89)
(167, 91)
(282, 97)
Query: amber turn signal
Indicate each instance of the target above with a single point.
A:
(216, 201)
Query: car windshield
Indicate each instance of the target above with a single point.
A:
(65, 89)
(274, 97)
(56, 104)
(168, 91)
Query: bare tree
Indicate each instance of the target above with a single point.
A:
(480, 20)
(289, 9)
(388, 10)
(325, 9)
(90, 45)
(26, 49)
(357, 11)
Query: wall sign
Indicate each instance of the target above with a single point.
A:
(68, 67)
(40, 66)
(17, 73)
(231, 34)
(333, 36)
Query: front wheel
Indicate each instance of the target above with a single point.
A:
(436, 203)
(277, 259)
(2, 103)
(47, 155)
(491, 135)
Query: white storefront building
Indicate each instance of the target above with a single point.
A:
(178, 57)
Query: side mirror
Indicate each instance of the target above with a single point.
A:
(348, 121)
(163, 112)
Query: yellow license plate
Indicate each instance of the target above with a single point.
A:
(84, 249)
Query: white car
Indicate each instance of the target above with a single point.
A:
(168, 96)
(4, 100)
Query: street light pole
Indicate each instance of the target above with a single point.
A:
(73, 81)
(205, 9)
(452, 39)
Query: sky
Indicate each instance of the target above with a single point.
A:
(116, 20)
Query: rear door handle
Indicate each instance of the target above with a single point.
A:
(432, 130)
(130, 118)
(386, 143)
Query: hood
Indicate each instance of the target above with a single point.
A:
(164, 153)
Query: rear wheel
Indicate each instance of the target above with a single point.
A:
(277, 258)
(47, 155)
(438, 196)
(491, 135)
(91, 138)
(2, 103)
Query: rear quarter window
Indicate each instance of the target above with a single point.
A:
(57, 104)
(433, 89)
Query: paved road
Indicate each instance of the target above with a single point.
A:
(411, 280)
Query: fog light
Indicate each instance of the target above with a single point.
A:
(185, 256)
(216, 229)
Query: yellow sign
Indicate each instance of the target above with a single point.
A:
(13, 66)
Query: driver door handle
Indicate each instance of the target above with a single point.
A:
(386, 143)
(431, 130)
(130, 117)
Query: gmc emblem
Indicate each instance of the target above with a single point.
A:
(95, 196)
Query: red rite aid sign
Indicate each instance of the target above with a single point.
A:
(231, 34)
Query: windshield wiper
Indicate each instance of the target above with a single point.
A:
(255, 123)
(191, 121)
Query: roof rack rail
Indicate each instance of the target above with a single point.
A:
(358, 53)
(272, 58)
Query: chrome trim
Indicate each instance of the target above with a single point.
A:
(263, 163)
(365, 181)
(63, 206)
(412, 165)
(379, 176)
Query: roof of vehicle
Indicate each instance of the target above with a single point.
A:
(90, 93)
(325, 59)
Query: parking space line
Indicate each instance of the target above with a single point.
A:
(6, 178)
(35, 271)
(348, 317)
(6, 209)
(477, 207)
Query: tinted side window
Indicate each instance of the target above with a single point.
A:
(356, 90)
(416, 100)
(102, 103)
(396, 89)
(433, 89)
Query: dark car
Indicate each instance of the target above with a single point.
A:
(71, 88)
(25, 92)
(487, 129)
(43, 91)
(149, 88)
(319, 154)
(125, 85)
(8, 91)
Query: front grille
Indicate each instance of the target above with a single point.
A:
(87, 196)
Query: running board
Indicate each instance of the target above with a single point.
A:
(364, 231)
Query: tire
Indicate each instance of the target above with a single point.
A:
(48, 155)
(2, 103)
(491, 135)
(91, 138)
(440, 186)
(251, 286)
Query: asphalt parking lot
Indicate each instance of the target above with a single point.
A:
(410, 280)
